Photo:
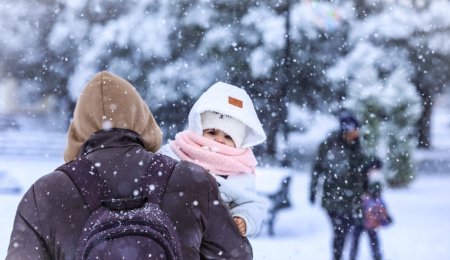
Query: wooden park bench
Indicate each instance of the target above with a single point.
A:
(278, 201)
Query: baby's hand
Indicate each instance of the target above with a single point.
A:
(240, 224)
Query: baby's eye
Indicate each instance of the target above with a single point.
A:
(228, 137)
(212, 131)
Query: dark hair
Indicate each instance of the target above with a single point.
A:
(348, 121)
(373, 163)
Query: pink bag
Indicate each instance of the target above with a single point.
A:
(375, 212)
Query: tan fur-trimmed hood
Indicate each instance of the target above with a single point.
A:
(109, 101)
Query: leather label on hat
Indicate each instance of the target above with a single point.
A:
(235, 102)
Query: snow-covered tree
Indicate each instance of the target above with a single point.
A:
(294, 44)
(25, 28)
(421, 31)
(380, 91)
(279, 51)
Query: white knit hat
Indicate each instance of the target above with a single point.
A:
(229, 100)
(229, 125)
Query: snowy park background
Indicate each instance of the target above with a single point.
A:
(301, 61)
(420, 229)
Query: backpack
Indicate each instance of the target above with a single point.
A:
(125, 228)
(374, 212)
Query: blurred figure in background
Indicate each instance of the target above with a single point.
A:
(374, 210)
(339, 161)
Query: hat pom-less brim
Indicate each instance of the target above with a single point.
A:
(229, 125)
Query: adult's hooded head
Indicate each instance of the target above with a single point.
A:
(106, 102)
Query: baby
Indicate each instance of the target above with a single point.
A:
(223, 126)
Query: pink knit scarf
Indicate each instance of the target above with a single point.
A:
(218, 158)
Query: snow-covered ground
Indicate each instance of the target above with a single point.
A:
(421, 229)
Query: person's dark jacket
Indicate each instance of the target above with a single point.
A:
(340, 164)
(52, 213)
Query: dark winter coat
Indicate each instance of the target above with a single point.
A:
(52, 213)
(340, 164)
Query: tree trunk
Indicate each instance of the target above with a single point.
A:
(279, 122)
(424, 122)
(271, 139)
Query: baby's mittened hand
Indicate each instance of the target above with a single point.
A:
(240, 224)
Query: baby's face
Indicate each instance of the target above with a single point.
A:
(218, 136)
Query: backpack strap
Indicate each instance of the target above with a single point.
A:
(154, 182)
(95, 190)
(87, 180)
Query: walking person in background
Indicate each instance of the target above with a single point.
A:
(374, 210)
(223, 126)
(339, 161)
(114, 131)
